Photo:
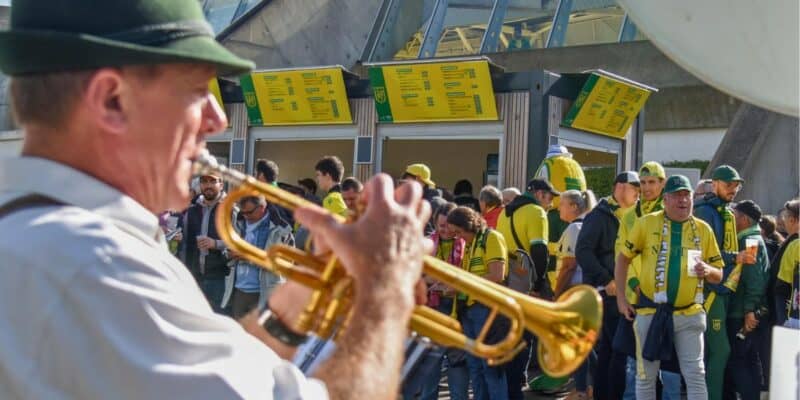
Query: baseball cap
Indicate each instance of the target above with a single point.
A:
(749, 208)
(628, 177)
(676, 183)
(422, 172)
(726, 173)
(541, 184)
(652, 168)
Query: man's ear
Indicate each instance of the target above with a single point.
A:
(105, 100)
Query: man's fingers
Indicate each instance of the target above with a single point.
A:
(424, 211)
(427, 245)
(407, 194)
(378, 190)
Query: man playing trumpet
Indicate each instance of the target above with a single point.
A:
(113, 97)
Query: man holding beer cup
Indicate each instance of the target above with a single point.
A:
(743, 374)
(714, 209)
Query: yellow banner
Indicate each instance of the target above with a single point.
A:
(297, 97)
(607, 106)
(438, 91)
(213, 86)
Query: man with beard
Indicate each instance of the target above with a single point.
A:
(678, 254)
(114, 100)
(203, 251)
(715, 210)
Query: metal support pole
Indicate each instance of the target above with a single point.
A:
(379, 36)
(491, 37)
(433, 32)
(627, 31)
(558, 31)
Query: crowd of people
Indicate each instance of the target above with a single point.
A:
(691, 280)
(95, 306)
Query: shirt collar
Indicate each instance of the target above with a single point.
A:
(24, 175)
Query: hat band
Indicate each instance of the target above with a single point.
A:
(157, 34)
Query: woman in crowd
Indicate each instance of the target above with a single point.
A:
(446, 247)
(485, 255)
(573, 207)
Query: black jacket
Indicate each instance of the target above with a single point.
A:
(216, 263)
(595, 249)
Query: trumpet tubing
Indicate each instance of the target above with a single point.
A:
(567, 328)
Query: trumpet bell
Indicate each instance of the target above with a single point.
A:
(570, 337)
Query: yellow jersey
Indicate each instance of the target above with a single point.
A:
(629, 217)
(789, 272)
(645, 240)
(530, 224)
(334, 202)
(487, 246)
(563, 173)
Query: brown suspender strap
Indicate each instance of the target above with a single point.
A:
(29, 201)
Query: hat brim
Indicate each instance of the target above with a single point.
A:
(680, 189)
(36, 51)
(740, 180)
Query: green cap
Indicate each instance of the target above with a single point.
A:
(68, 35)
(652, 168)
(726, 173)
(676, 183)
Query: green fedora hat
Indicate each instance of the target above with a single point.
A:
(64, 35)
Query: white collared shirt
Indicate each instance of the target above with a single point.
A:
(93, 305)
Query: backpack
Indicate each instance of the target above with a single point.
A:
(521, 271)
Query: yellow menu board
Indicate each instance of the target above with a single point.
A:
(435, 91)
(296, 97)
(213, 86)
(607, 105)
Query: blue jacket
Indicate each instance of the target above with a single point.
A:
(275, 230)
(707, 209)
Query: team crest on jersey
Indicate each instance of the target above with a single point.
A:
(380, 94)
(716, 324)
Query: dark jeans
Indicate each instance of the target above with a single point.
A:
(583, 372)
(430, 364)
(488, 383)
(515, 370)
(743, 374)
(243, 303)
(457, 372)
(609, 377)
(214, 290)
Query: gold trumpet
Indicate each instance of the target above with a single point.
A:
(567, 329)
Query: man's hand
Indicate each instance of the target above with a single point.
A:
(178, 237)
(750, 322)
(384, 247)
(611, 288)
(707, 272)
(382, 251)
(625, 308)
(233, 255)
(421, 293)
(743, 257)
(206, 243)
